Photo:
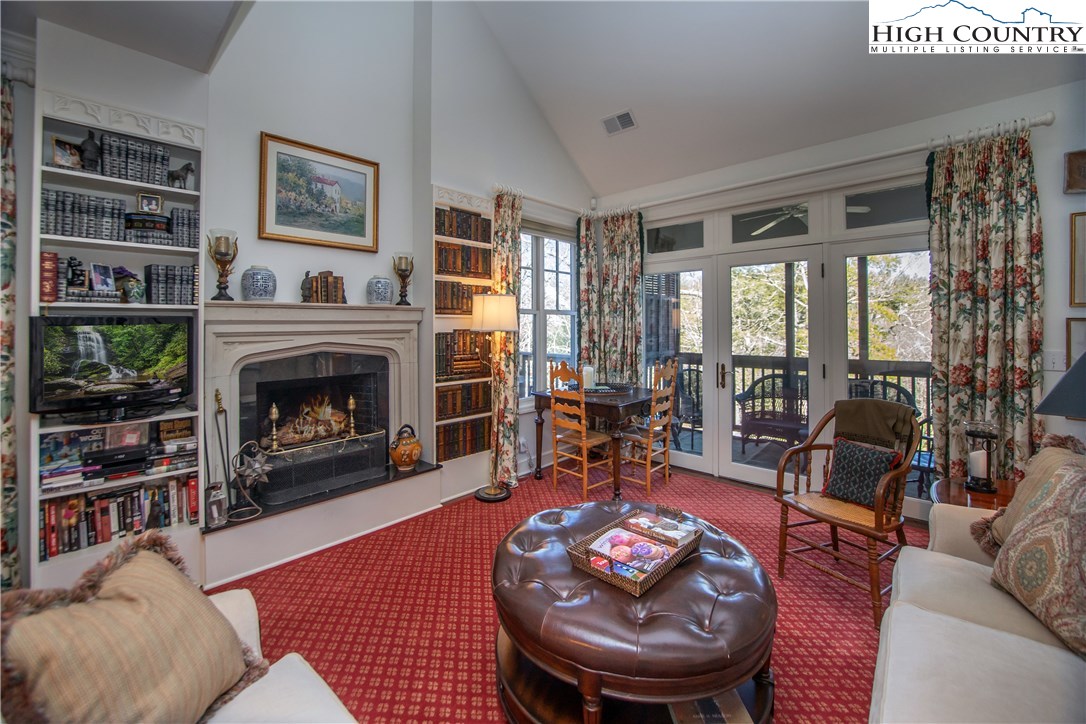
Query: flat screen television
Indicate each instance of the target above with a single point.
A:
(85, 364)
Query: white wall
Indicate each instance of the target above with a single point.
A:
(1049, 146)
(334, 75)
(487, 130)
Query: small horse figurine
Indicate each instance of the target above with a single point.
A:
(179, 178)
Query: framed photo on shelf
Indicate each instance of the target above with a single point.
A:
(149, 203)
(101, 278)
(1078, 260)
(1076, 339)
(313, 195)
(66, 155)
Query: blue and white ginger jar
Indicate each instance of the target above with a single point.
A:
(258, 284)
(379, 291)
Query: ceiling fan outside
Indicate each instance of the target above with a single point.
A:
(797, 211)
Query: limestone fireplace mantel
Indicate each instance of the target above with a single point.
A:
(239, 333)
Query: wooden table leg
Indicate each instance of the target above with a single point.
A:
(538, 443)
(590, 684)
(616, 462)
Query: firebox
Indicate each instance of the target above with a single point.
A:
(321, 418)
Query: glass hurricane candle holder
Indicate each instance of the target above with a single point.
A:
(403, 264)
(222, 247)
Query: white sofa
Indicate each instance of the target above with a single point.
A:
(954, 648)
(291, 691)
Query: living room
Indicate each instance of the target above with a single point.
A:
(429, 93)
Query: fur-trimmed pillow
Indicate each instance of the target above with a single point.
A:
(1032, 488)
(981, 530)
(133, 640)
(1043, 561)
(1067, 442)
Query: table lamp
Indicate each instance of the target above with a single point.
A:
(1068, 397)
(494, 313)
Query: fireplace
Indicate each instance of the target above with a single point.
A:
(321, 419)
(313, 362)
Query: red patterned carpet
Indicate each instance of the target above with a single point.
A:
(401, 624)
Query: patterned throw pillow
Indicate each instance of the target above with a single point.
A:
(133, 640)
(1043, 561)
(855, 471)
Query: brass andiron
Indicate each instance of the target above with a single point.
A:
(273, 415)
(350, 409)
(222, 247)
(403, 264)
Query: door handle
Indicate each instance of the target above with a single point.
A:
(722, 375)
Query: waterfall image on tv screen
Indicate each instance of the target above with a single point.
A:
(131, 360)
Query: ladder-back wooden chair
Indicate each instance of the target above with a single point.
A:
(646, 445)
(570, 436)
(863, 489)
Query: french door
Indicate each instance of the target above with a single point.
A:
(769, 373)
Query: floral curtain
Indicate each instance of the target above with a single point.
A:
(987, 288)
(620, 299)
(588, 307)
(9, 535)
(504, 401)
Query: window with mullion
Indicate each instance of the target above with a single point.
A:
(548, 314)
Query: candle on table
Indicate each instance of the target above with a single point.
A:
(978, 464)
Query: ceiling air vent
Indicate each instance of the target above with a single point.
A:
(619, 122)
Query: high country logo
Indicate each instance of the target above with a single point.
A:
(980, 26)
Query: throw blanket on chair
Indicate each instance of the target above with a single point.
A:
(876, 422)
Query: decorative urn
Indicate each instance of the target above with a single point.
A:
(258, 284)
(406, 449)
(379, 290)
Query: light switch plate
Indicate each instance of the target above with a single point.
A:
(1055, 361)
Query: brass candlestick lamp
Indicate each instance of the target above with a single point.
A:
(222, 247)
(403, 264)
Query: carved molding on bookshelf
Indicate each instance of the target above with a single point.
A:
(77, 110)
(462, 199)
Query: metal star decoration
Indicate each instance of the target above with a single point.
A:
(254, 469)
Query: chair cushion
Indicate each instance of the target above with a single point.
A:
(291, 692)
(856, 469)
(1043, 562)
(133, 640)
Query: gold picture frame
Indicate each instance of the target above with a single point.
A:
(149, 203)
(1076, 339)
(67, 154)
(1078, 260)
(1074, 173)
(313, 195)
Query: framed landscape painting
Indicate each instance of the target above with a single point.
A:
(313, 195)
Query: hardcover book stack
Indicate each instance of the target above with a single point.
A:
(461, 400)
(134, 160)
(461, 224)
(459, 354)
(185, 228)
(463, 438)
(170, 284)
(91, 295)
(48, 276)
(467, 261)
(326, 288)
(148, 229)
(455, 297)
(65, 213)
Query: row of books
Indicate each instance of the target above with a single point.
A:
(461, 400)
(324, 288)
(134, 160)
(71, 523)
(171, 284)
(455, 297)
(461, 224)
(185, 228)
(66, 213)
(458, 439)
(459, 354)
(469, 261)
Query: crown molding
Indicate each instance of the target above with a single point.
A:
(18, 49)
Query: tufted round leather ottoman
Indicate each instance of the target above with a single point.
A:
(705, 628)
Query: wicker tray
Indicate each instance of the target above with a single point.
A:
(581, 555)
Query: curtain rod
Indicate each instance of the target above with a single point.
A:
(1019, 124)
(502, 188)
(18, 75)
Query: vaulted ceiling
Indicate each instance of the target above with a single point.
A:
(709, 84)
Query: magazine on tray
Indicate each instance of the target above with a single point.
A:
(657, 526)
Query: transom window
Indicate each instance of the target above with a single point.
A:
(548, 307)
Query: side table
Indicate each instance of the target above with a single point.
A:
(952, 491)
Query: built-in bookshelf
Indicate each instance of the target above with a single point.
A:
(116, 200)
(462, 268)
